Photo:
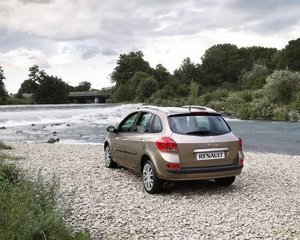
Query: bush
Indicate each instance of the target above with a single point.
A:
(262, 109)
(29, 209)
(246, 95)
(244, 112)
(281, 114)
(294, 117)
(296, 104)
(282, 86)
(3, 146)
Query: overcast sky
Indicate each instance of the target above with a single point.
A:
(80, 40)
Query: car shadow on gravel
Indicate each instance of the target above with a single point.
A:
(202, 187)
(197, 186)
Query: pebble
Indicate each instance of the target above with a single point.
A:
(263, 203)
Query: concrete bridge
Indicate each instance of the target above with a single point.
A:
(89, 97)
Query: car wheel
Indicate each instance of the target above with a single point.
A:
(225, 181)
(109, 163)
(152, 183)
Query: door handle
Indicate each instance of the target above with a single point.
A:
(141, 140)
(123, 139)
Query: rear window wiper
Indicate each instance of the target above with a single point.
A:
(198, 132)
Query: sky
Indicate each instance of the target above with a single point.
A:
(81, 40)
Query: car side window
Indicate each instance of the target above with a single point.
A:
(127, 123)
(156, 125)
(143, 123)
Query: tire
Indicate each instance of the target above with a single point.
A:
(109, 163)
(152, 184)
(227, 181)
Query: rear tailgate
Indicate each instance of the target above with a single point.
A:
(206, 151)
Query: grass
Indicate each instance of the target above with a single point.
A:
(3, 146)
(29, 208)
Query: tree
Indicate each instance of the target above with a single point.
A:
(194, 92)
(186, 73)
(255, 78)
(28, 86)
(282, 86)
(121, 94)
(161, 74)
(221, 63)
(83, 86)
(51, 90)
(3, 92)
(146, 88)
(31, 84)
(289, 57)
(128, 65)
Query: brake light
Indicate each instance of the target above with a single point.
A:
(242, 162)
(240, 143)
(167, 144)
(174, 166)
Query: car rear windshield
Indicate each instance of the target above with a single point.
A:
(202, 125)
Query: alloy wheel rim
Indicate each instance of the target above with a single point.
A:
(148, 177)
(107, 156)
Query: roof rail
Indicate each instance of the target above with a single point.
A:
(199, 107)
(149, 107)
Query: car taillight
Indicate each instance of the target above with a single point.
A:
(240, 143)
(167, 144)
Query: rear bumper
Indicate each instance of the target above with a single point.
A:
(198, 173)
(215, 169)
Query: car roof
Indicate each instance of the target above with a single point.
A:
(179, 110)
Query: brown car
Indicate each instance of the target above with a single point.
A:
(175, 144)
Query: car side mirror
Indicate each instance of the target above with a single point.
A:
(111, 129)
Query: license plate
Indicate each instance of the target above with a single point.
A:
(210, 155)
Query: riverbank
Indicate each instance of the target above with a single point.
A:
(111, 204)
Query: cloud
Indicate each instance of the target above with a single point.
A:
(65, 33)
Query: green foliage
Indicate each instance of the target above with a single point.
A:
(121, 94)
(3, 92)
(51, 90)
(162, 75)
(194, 93)
(262, 109)
(134, 82)
(221, 63)
(281, 114)
(282, 86)
(29, 209)
(146, 88)
(11, 100)
(83, 86)
(3, 146)
(28, 86)
(296, 104)
(186, 73)
(294, 117)
(289, 57)
(127, 65)
(217, 95)
(255, 78)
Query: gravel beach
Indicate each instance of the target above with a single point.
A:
(263, 203)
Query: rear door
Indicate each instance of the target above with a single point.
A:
(203, 140)
(136, 140)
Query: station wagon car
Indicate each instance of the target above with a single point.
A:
(175, 144)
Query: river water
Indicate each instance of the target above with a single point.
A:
(77, 123)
